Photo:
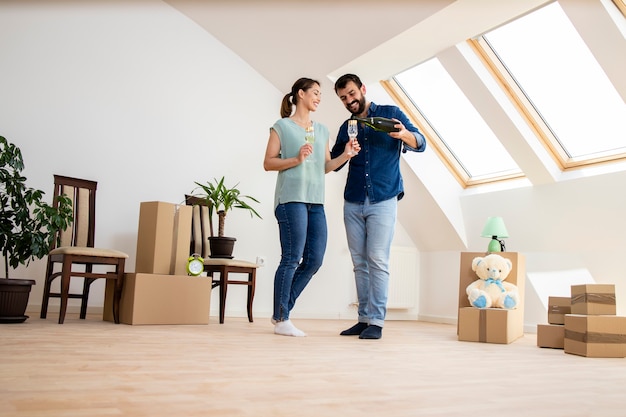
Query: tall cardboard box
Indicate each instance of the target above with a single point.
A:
(490, 325)
(161, 299)
(596, 336)
(163, 238)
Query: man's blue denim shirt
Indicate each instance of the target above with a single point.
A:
(375, 171)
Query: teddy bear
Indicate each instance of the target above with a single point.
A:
(491, 290)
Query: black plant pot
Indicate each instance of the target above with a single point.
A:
(221, 247)
(14, 295)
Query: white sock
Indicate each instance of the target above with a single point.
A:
(286, 328)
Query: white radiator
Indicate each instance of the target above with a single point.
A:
(403, 278)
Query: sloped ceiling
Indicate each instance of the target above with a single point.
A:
(286, 39)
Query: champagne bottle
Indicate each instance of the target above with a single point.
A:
(382, 124)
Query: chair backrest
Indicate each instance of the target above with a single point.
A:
(83, 195)
(200, 226)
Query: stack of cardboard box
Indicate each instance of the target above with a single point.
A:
(590, 328)
(552, 335)
(160, 291)
(490, 325)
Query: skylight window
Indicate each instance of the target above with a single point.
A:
(564, 84)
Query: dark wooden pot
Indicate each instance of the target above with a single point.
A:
(14, 295)
(221, 247)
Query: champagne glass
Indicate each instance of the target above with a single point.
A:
(353, 131)
(309, 137)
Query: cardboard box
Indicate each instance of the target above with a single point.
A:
(161, 299)
(489, 325)
(163, 238)
(550, 335)
(593, 299)
(558, 307)
(596, 336)
(492, 325)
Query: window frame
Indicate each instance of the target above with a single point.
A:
(509, 86)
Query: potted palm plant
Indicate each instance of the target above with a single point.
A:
(28, 227)
(221, 199)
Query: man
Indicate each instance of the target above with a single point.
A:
(371, 195)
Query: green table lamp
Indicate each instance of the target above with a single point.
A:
(496, 230)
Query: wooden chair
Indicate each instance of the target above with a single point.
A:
(77, 250)
(223, 267)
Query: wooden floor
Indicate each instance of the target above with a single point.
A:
(94, 368)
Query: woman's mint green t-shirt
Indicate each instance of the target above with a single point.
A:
(303, 183)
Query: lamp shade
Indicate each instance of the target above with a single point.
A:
(495, 227)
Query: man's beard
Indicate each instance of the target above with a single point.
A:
(360, 108)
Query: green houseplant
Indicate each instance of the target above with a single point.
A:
(221, 199)
(28, 227)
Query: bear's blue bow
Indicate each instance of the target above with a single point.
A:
(497, 282)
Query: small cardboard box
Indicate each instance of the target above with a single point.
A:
(596, 336)
(161, 299)
(593, 299)
(163, 238)
(492, 325)
(550, 335)
(558, 307)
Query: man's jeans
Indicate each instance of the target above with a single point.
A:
(370, 228)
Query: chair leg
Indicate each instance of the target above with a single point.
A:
(85, 297)
(223, 288)
(251, 279)
(65, 289)
(117, 293)
(46, 298)
(117, 296)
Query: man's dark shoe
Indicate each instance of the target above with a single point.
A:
(355, 330)
(372, 332)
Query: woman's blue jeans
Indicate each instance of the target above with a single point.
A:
(370, 228)
(303, 236)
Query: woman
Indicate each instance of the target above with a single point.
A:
(299, 196)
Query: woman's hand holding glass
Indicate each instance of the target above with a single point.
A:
(309, 138)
